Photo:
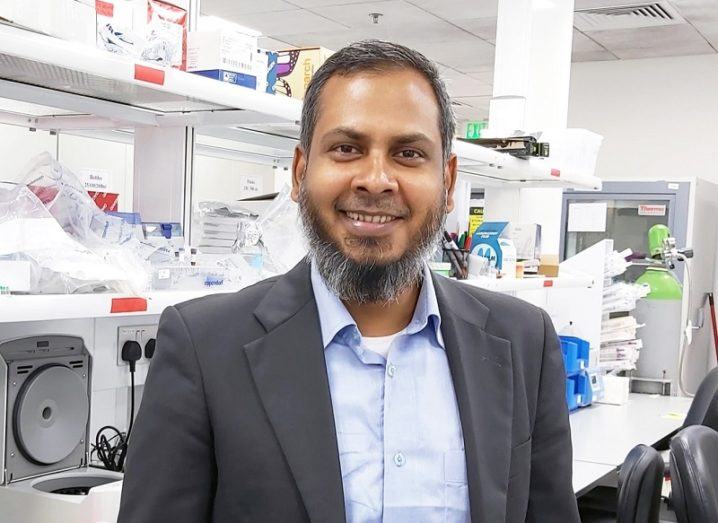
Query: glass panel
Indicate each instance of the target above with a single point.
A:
(624, 225)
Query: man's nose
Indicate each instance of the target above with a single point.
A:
(375, 175)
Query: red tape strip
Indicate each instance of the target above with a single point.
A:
(556, 173)
(149, 74)
(548, 283)
(128, 305)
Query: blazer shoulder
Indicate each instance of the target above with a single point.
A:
(507, 314)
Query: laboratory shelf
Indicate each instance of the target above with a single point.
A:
(41, 69)
(527, 284)
(81, 87)
(18, 308)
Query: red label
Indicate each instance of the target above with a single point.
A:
(548, 283)
(149, 74)
(556, 173)
(105, 8)
(128, 305)
(106, 201)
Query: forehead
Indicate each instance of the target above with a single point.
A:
(380, 103)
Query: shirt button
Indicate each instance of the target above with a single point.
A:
(391, 370)
(399, 459)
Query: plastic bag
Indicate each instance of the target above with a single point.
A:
(282, 236)
(59, 263)
(52, 220)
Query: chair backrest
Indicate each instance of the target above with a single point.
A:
(694, 474)
(704, 408)
(639, 486)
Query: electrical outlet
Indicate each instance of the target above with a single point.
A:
(139, 333)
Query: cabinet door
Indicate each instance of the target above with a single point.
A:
(627, 221)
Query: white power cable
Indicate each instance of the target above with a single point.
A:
(684, 336)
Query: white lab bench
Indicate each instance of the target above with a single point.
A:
(602, 435)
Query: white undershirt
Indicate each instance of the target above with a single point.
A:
(380, 344)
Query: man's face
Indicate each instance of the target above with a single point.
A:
(374, 178)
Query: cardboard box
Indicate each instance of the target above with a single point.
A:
(295, 69)
(549, 265)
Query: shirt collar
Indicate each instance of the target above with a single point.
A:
(335, 319)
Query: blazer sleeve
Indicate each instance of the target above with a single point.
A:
(170, 470)
(551, 496)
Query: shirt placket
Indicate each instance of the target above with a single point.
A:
(399, 431)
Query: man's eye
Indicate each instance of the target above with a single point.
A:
(410, 154)
(346, 149)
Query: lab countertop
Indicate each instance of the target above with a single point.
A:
(604, 434)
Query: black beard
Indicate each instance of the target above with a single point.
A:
(369, 281)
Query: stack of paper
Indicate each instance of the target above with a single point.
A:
(620, 347)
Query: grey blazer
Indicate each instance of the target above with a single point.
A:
(236, 421)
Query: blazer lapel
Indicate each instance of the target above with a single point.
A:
(289, 370)
(483, 380)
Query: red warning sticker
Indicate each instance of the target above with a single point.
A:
(149, 74)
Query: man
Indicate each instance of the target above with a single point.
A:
(358, 387)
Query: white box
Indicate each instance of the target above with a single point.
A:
(527, 239)
(16, 275)
(72, 20)
(229, 48)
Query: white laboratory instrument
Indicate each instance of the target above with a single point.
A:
(44, 447)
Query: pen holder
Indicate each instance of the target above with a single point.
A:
(459, 259)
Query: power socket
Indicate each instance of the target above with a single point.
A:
(139, 333)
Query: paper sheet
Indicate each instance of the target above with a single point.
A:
(587, 217)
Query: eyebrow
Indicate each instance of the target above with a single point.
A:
(353, 134)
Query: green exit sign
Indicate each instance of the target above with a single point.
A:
(473, 129)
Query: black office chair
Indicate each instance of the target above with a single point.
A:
(704, 407)
(639, 490)
(694, 474)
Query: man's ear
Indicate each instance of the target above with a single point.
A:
(450, 182)
(299, 165)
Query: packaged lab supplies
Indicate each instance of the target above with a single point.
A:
(224, 51)
(491, 241)
(295, 69)
(151, 30)
(527, 239)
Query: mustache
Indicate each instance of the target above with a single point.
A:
(373, 203)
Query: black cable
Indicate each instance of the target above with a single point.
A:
(113, 451)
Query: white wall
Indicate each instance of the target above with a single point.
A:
(18, 145)
(658, 116)
(114, 159)
(220, 179)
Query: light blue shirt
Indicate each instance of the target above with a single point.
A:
(401, 448)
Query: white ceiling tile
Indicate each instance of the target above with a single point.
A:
(310, 4)
(467, 54)
(395, 13)
(272, 44)
(459, 9)
(293, 22)
(582, 43)
(231, 10)
(645, 42)
(703, 15)
(484, 28)
(600, 55)
(463, 85)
